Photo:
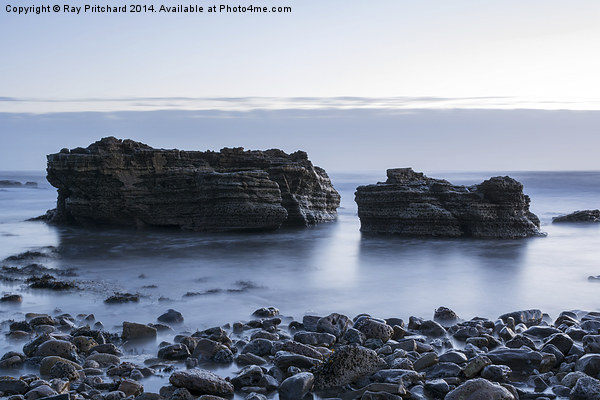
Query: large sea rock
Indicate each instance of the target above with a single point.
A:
(412, 204)
(123, 182)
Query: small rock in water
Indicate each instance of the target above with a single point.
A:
(171, 317)
(266, 312)
(579, 216)
(132, 330)
(47, 281)
(118, 298)
(445, 315)
(11, 298)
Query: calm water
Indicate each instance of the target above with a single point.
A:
(327, 268)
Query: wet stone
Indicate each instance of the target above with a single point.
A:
(171, 317)
(345, 365)
(315, 339)
(284, 360)
(266, 312)
(296, 387)
(11, 298)
(375, 329)
(64, 370)
(453, 356)
(249, 359)
(202, 381)
(474, 367)
(335, 324)
(132, 330)
(480, 389)
(10, 386)
(496, 373)
(259, 347)
(174, 352)
(58, 348)
(120, 298)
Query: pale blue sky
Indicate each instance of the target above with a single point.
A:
(383, 48)
(400, 62)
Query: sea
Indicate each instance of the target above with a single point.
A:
(219, 278)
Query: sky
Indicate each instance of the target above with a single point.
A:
(387, 56)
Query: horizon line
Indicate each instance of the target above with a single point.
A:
(30, 105)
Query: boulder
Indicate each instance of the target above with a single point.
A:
(586, 388)
(411, 204)
(479, 389)
(589, 364)
(123, 182)
(201, 381)
(522, 360)
(10, 386)
(527, 317)
(171, 317)
(296, 386)
(132, 330)
(345, 365)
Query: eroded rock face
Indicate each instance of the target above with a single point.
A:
(123, 182)
(411, 204)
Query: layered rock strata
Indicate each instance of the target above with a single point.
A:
(123, 182)
(411, 204)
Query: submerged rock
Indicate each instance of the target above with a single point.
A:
(411, 204)
(123, 182)
(579, 216)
